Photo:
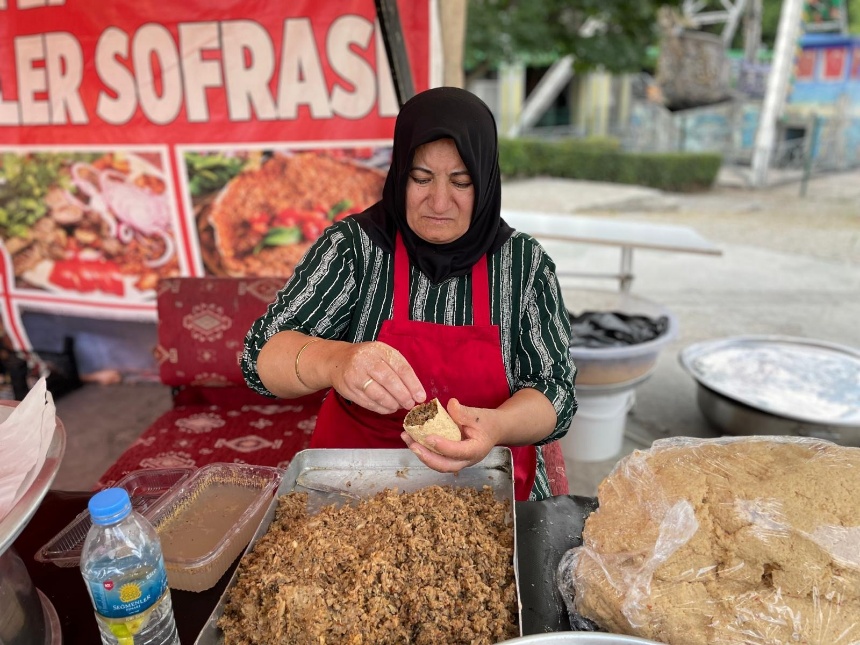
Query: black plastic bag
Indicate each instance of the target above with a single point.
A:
(614, 329)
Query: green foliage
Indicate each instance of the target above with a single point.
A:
(854, 16)
(603, 160)
(501, 31)
(770, 21)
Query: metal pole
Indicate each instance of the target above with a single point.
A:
(810, 153)
(777, 86)
(550, 85)
(626, 277)
(752, 31)
(395, 49)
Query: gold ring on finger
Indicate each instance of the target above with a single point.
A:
(366, 383)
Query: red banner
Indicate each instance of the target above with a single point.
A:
(144, 140)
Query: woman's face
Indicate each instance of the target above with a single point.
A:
(440, 196)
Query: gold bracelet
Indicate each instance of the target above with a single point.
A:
(304, 347)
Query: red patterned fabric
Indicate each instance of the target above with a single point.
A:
(215, 417)
(202, 324)
(267, 434)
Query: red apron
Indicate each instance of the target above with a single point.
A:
(450, 360)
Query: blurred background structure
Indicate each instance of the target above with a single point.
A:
(726, 76)
(672, 94)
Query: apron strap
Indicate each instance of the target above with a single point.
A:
(480, 286)
(401, 280)
(481, 292)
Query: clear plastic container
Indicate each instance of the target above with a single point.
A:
(616, 368)
(144, 487)
(205, 523)
(123, 567)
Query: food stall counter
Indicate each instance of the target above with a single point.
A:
(545, 530)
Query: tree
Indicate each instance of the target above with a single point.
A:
(854, 16)
(615, 39)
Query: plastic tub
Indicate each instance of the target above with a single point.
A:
(205, 523)
(596, 432)
(144, 487)
(619, 368)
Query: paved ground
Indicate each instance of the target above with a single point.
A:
(790, 266)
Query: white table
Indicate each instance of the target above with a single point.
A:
(624, 234)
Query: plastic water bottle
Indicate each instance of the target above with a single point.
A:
(123, 568)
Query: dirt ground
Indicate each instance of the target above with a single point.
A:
(823, 224)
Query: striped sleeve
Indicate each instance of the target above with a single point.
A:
(541, 488)
(542, 355)
(318, 300)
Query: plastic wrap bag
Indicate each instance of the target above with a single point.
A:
(725, 541)
(614, 329)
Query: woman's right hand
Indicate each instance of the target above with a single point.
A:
(377, 377)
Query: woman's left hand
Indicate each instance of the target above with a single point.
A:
(478, 427)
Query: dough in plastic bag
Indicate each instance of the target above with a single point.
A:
(724, 541)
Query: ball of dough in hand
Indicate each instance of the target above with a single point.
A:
(430, 418)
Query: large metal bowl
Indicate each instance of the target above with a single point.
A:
(579, 638)
(733, 417)
(778, 385)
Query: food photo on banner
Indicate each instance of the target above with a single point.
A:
(257, 212)
(96, 222)
(200, 139)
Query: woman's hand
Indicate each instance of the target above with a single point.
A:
(479, 428)
(377, 377)
(525, 418)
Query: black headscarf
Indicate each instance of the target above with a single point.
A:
(443, 112)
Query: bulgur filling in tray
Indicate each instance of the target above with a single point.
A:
(430, 566)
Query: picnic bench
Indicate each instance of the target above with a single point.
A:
(625, 234)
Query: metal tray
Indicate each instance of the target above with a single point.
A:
(342, 476)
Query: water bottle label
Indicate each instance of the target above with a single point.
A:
(130, 594)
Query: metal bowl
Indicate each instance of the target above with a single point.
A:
(580, 638)
(26, 614)
(778, 385)
(733, 417)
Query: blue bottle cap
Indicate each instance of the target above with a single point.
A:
(109, 506)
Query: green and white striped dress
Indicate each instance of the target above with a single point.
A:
(343, 289)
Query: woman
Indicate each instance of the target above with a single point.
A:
(428, 293)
